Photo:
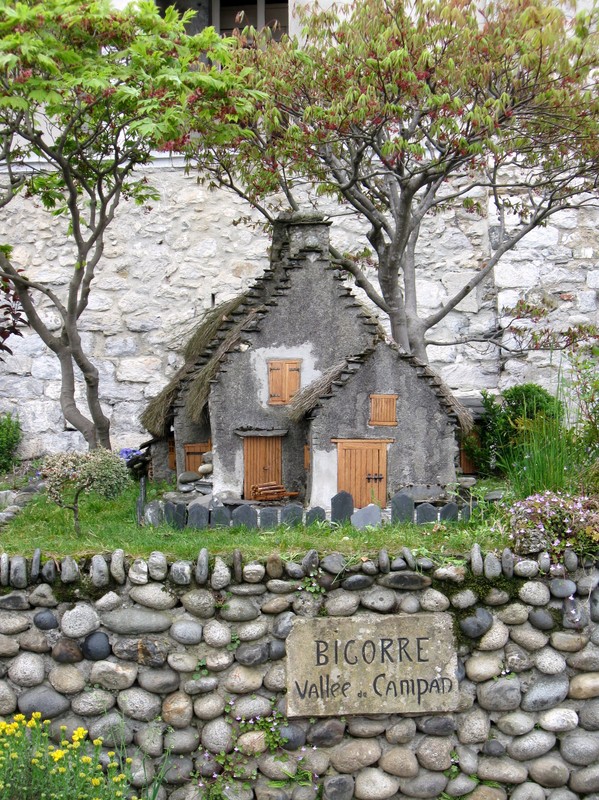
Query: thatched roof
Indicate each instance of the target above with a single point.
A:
(307, 400)
(156, 417)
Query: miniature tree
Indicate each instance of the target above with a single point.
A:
(68, 475)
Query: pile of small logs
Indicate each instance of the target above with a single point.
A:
(270, 491)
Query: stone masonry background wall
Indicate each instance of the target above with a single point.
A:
(164, 266)
(170, 658)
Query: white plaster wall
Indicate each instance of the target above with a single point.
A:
(164, 266)
(324, 477)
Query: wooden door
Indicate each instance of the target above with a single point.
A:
(362, 470)
(262, 460)
(194, 453)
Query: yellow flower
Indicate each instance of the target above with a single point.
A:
(96, 781)
(58, 754)
(79, 734)
(128, 761)
(86, 760)
(19, 717)
(36, 715)
(14, 756)
(97, 743)
(110, 753)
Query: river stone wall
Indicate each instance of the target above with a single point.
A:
(185, 663)
(165, 265)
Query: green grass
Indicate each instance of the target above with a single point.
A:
(108, 525)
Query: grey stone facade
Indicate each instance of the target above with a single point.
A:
(300, 311)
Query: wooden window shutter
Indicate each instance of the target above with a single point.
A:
(284, 381)
(383, 409)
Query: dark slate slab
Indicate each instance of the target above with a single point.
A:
(342, 507)
(402, 508)
(180, 516)
(367, 517)
(246, 516)
(449, 512)
(198, 517)
(220, 517)
(317, 514)
(269, 518)
(169, 512)
(293, 514)
(426, 513)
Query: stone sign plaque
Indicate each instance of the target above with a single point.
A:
(371, 664)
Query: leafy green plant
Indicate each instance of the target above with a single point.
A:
(201, 670)
(10, 437)
(310, 584)
(545, 456)
(31, 767)
(68, 475)
(505, 421)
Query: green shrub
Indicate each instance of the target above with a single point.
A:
(507, 422)
(10, 437)
(68, 475)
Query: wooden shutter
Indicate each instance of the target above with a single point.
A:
(284, 380)
(383, 409)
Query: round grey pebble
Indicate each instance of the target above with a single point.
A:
(45, 620)
(527, 568)
(96, 646)
(79, 621)
(186, 631)
(534, 593)
(477, 624)
(541, 619)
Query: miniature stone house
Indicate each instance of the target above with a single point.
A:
(294, 384)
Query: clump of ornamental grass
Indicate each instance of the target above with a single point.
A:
(33, 768)
(555, 521)
(68, 475)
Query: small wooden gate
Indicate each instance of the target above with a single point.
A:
(263, 462)
(362, 470)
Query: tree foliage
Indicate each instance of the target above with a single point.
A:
(399, 109)
(87, 94)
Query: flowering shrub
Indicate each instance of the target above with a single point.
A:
(127, 453)
(555, 521)
(32, 768)
(67, 475)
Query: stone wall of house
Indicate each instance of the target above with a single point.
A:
(186, 664)
(165, 265)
